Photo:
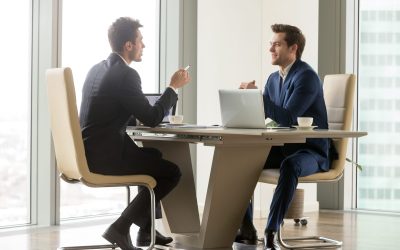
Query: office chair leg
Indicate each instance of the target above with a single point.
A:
(114, 246)
(89, 247)
(152, 213)
(324, 242)
(153, 217)
(128, 193)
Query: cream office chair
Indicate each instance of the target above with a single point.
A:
(69, 149)
(339, 95)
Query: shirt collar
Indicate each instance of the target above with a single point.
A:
(283, 73)
(122, 58)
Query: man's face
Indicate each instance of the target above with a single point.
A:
(137, 48)
(281, 54)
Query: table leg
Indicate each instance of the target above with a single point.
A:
(180, 206)
(234, 175)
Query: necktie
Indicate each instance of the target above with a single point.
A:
(281, 90)
(280, 85)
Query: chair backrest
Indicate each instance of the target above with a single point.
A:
(339, 98)
(65, 128)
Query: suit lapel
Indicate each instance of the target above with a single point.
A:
(284, 90)
(288, 82)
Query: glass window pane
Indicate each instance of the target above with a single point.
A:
(379, 73)
(15, 80)
(84, 43)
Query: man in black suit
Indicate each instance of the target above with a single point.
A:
(112, 96)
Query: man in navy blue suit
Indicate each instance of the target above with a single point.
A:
(295, 90)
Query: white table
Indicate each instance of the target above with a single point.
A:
(239, 158)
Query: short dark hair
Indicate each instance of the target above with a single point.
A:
(293, 35)
(123, 30)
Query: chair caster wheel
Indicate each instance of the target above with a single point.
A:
(303, 221)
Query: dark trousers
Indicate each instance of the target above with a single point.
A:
(298, 164)
(167, 175)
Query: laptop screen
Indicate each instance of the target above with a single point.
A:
(242, 108)
(153, 98)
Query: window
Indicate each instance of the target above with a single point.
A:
(397, 194)
(84, 43)
(15, 80)
(379, 53)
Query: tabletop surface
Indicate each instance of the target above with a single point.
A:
(220, 131)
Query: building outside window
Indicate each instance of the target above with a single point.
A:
(15, 112)
(379, 87)
(85, 43)
(15, 116)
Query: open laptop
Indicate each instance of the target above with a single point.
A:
(242, 108)
(152, 98)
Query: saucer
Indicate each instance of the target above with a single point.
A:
(175, 124)
(171, 124)
(305, 127)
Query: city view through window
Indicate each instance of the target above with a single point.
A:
(15, 80)
(378, 183)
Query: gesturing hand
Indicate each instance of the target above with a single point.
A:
(248, 85)
(179, 79)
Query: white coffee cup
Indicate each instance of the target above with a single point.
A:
(175, 119)
(305, 121)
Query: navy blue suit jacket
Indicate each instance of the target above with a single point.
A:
(112, 96)
(300, 95)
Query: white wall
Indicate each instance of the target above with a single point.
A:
(229, 51)
(233, 42)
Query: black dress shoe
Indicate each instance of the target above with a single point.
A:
(271, 241)
(247, 234)
(143, 239)
(122, 241)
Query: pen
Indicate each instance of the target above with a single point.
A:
(187, 67)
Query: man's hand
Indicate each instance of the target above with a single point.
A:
(248, 85)
(179, 79)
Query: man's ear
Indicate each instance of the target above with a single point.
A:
(294, 48)
(128, 46)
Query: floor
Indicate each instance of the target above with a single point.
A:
(357, 230)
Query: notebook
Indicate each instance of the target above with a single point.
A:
(242, 108)
(152, 98)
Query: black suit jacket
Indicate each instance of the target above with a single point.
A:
(112, 96)
(300, 95)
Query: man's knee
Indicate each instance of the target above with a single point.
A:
(290, 167)
(178, 174)
(174, 172)
(153, 152)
